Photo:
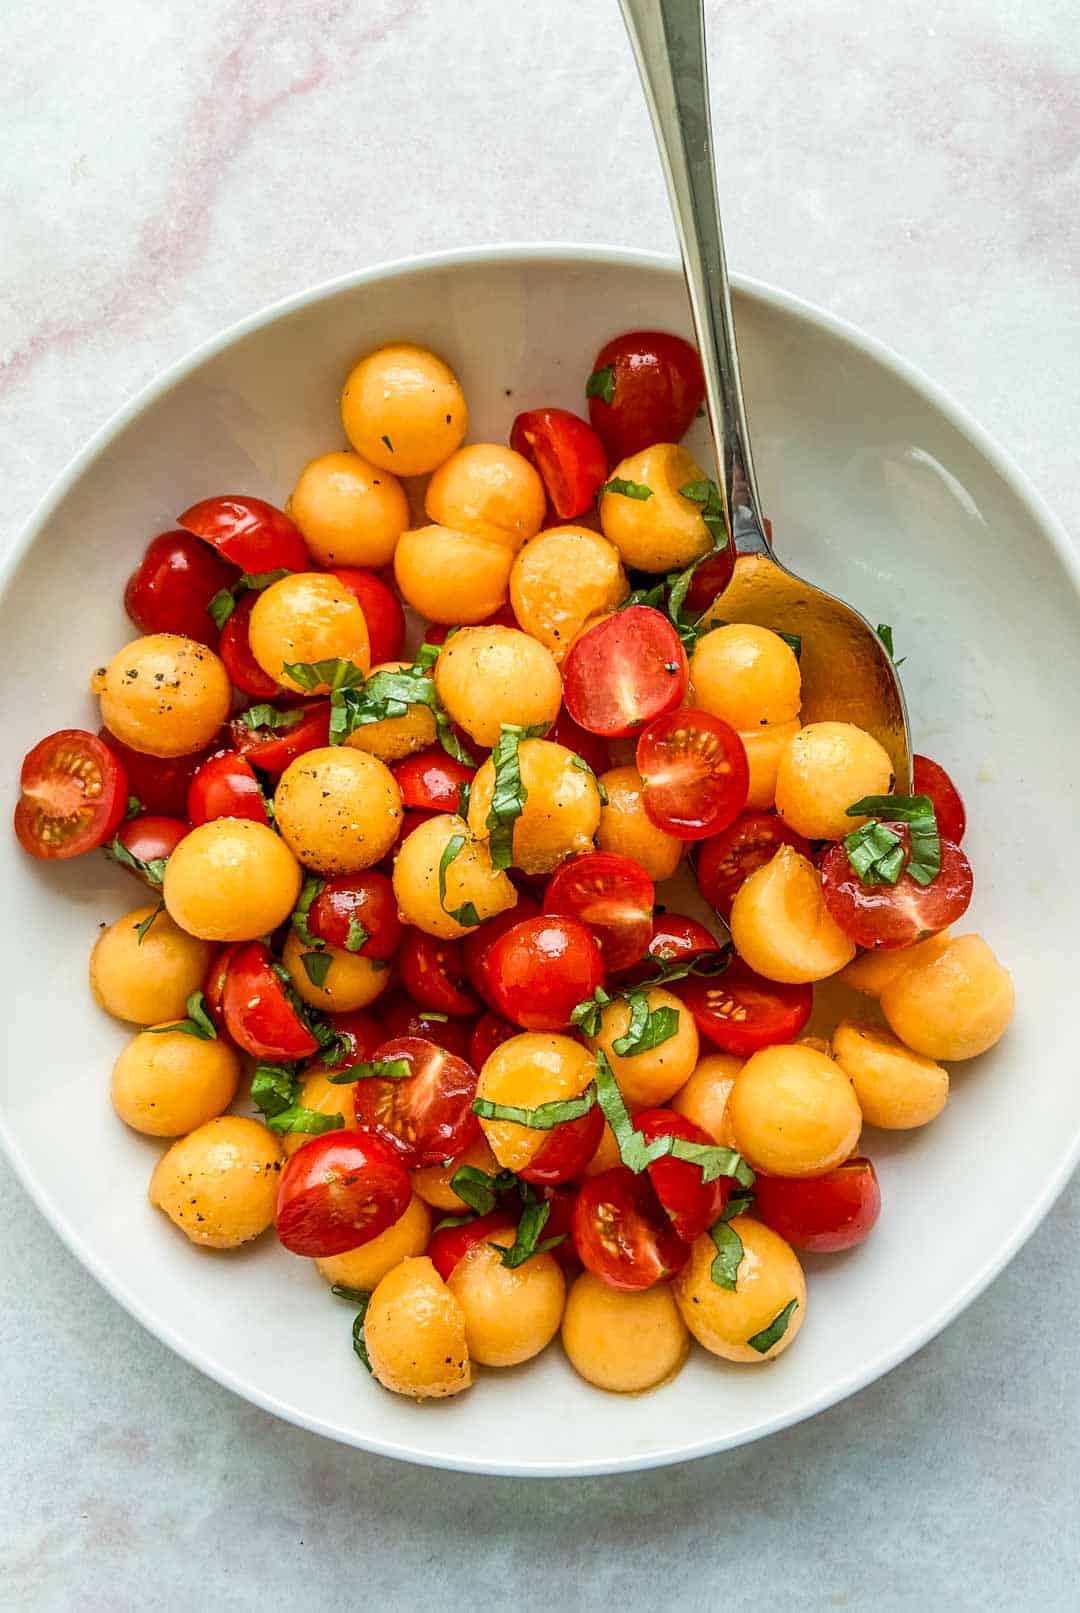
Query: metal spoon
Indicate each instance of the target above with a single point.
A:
(847, 674)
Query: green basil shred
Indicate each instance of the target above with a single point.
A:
(198, 1022)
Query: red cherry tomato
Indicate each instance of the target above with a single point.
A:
(432, 780)
(566, 1150)
(401, 1017)
(214, 984)
(448, 1244)
(249, 533)
(173, 584)
(358, 1034)
(489, 1032)
(932, 780)
(657, 387)
(382, 612)
(739, 1011)
(675, 939)
(258, 1013)
(570, 457)
(339, 1191)
(272, 749)
(622, 1232)
(540, 969)
(884, 917)
(225, 786)
(691, 1203)
(433, 973)
(725, 860)
(159, 783)
(73, 792)
(477, 945)
(590, 747)
(234, 647)
(151, 838)
(613, 895)
(562, 1196)
(411, 819)
(821, 1213)
(347, 900)
(439, 632)
(624, 672)
(694, 772)
(709, 580)
(426, 1115)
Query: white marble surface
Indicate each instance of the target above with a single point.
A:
(171, 164)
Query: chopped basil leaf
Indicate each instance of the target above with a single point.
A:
(221, 607)
(361, 1298)
(875, 853)
(433, 1013)
(336, 675)
(724, 1270)
(451, 744)
(884, 633)
(274, 1088)
(619, 484)
(479, 1190)
(544, 1118)
(312, 887)
(198, 1023)
(466, 914)
(793, 639)
(355, 1296)
(707, 494)
(142, 929)
(357, 936)
(582, 765)
(653, 596)
(647, 1028)
(533, 1220)
(384, 438)
(763, 1342)
(715, 1160)
(453, 1221)
(310, 1122)
(428, 654)
(586, 1014)
(464, 797)
(223, 603)
(316, 967)
(705, 964)
(134, 807)
(634, 1151)
(372, 1070)
(265, 716)
(601, 383)
(153, 871)
(508, 796)
(917, 811)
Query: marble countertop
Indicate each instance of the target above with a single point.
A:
(167, 168)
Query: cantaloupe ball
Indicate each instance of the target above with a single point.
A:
(525, 1072)
(231, 879)
(781, 926)
(488, 676)
(306, 617)
(432, 1182)
(764, 748)
(414, 1332)
(430, 900)
(664, 532)
(510, 1314)
(451, 577)
(165, 1083)
(365, 1268)
(560, 580)
(871, 972)
(489, 491)
(625, 827)
(826, 768)
(350, 512)
(338, 809)
(394, 738)
(953, 1004)
(219, 1184)
(164, 695)
(705, 1096)
(326, 1097)
(649, 1078)
(403, 409)
(349, 982)
(147, 981)
(896, 1088)
(562, 807)
(793, 1111)
(768, 1280)
(747, 675)
(607, 1154)
(621, 1341)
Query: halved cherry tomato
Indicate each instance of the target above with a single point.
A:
(270, 748)
(694, 772)
(821, 1213)
(739, 1011)
(151, 838)
(477, 945)
(570, 457)
(349, 900)
(382, 611)
(73, 794)
(489, 1032)
(565, 1150)
(173, 584)
(259, 1015)
(624, 672)
(214, 984)
(160, 783)
(622, 1232)
(590, 747)
(725, 860)
(448, 1244)
(675, 939)
(358, 1034)
(432, 780)
(884, 917)
(402, 1018)
(710, 578)
(613, 895)
(248, 532)
(692, 1203)
(234, 647)
(426, 1115)
(433, 973)
(657, 387)
(929, 778)
(225, 786)
(339, 1191)
(540, 969)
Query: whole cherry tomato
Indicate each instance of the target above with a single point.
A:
(448, 1244)
(692, 1203)
(739, 1011)
(622, 1232)
(932, 780)
(288, 733)
(646, 386)
(694, 772)
(402, 1018)
(477, 945)
(159, 783)
(73, 792)
(565, 1150)
(624, 672)
(726, 859)
(225, 786)
(234, 647)
(249, 533)
(359, 1034)
(567, 452)
(339, 1191)
(540, 969)
(613, 895)
(433, 973)
(173, 584)
(884, 917)
(427, 1114)
(150, 838)
(382, 612)
(489, 1032)
(821, 1214)
(259, 1015)
(357, 912)
(432, 781)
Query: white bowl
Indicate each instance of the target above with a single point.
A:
(878, 487)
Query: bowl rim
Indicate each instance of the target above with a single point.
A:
(524, 254)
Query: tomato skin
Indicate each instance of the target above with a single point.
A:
(248, 532)
(540, 969)
(562, 1196)
(590, 747)
(433, 973)
(432, 781)
(402, 1018)
(272, 749)
(882, 918)
(675, 938)
(710, 579)
(659, 388)
(613, 896)
(149, 837)
(489, 1032)
(623, 673)
(692, 1204)
(566, 1150)
(73, 793)
(368, 898)
(360, 1034)
(622, 1233)
(567, 452)
(739, 1011)
(477, 945)
(234, 647)
(727, 859)
(821, 1214)
(214, 984)
(439, 632)
(930, 778)
(174, 582)
(382, 611)
(258, 1014)
(694, 772)
(159, 782)
(427, 1115)
(449, 1244)
(225, 786)
(338, 1191)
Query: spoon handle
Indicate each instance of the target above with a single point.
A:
(668, 37)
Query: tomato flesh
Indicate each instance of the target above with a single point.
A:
(151, 838)
(248, 532)
(173, 584)
(623, 1234)
(739, 1011)
(225, 786)
(234, 647)
(432, 781)
(258, 1014)
(540, 969)
(566, 1150)
(476, 946)
(885, 917)
(567, 452)
(694, 772)
(272, 749)
(657, 388)
(624, 672)
(366, 899)
(613, 896)
(427, 1115)
(433, 973)
(727, 859)
(73, 792)
(692, 1203)
(339, 1191)
(382, 612)
(930, 778)
(821, 1214)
